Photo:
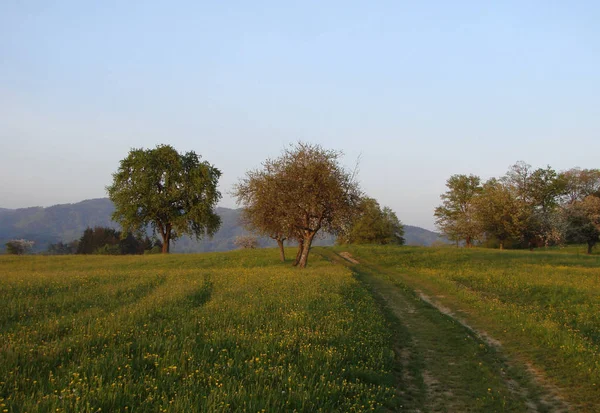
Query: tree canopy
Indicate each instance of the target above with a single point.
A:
(373, 225)
(265, 211)
(174, 194)
(298, 194)
(584, 221)
(456, 216)
(525, 207)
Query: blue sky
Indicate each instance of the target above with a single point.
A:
(419, 90)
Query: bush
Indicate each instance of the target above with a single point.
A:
(157, 249)
(246, 242)
(108, 250)
(18, 246)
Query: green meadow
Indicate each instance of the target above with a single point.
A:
(212, 332)
(404, 329)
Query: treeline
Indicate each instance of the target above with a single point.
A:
(525, 208)
(107, 241)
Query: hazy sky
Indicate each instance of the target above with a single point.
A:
(421, 89)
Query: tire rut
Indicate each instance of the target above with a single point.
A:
(444, 391)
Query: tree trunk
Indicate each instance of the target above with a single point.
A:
(281, 250)
(468, 242)
(166, 236)
(501, 245)
(308, 238)
(590, 246)
(299, 253)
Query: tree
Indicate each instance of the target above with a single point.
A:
(538, 193)
(246, 242)
(94, 238)
(63, 248)
(584, 221)
(307, 191)
(545, 189)
(499, 212)
(455, 217)
(18, 246)
(174, 194)
(580, 183)
(319, 192)
(518, 178)
(265, 211)
(373, 225)
(103, 240)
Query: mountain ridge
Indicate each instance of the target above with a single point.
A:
(66, 222)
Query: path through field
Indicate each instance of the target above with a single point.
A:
(445, 365)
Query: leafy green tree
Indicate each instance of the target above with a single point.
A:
(373, 225)
(175, 194)
(542, 225)
(584, 221)
(538, 193)
(103, 240)
(456, 216)
(94, 238)
(499, 212)
(545, 189)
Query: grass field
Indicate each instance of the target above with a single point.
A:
(543, 307)
(239, 331)
(212, 332)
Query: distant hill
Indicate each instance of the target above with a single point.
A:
(421, 236)
(67, 222)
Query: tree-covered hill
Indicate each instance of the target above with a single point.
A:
(66, 222)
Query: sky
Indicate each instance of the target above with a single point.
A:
(418, 91)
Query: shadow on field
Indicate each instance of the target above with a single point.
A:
(202, 295)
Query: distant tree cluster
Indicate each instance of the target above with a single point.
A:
(108, 241)
(63, 248)
(18, 246)
(298, 194)
(525, 208)
(370, 224)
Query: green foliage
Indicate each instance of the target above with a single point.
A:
(190, 333)
(499, 212)
(95, 238)
(174, 194)
(154, 250)
(373, 225)
(108, 250)
(108, 241)
(580, 183)
(584, 221)
(456, 216)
